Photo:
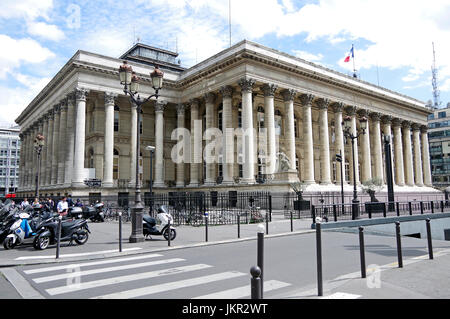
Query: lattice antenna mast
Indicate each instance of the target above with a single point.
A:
(436, 100)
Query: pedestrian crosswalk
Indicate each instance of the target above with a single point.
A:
(143, 276)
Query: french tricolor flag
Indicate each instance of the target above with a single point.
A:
(350, 54)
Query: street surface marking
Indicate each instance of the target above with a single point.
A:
(21, 284)
(78, 255)
(171, 286)
(104, 270)
(342, 295)
(122, 279)
(244, 291)
(71, 266)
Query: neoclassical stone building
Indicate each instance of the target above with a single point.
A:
(90, 125)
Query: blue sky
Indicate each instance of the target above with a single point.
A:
(392, 39)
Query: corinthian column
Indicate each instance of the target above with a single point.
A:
(418, 174)
(44, 152)
(180, 165)
(366, 169)
(407, 152)
(376, 147)
(247, 126)
(325, 145)
(227, 128)
(109, 140)
(62, 141)
(306, 101)
(210, 162)
(55, 147)
(70, 139)
(269, 122)
(49, 144)
(426, 157)
(339, 141)
(196, 142)
(80, 140)
(288, 96)
(133, 144)
(159, 144)
(398, 153)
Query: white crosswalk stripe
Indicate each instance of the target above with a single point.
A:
(136, 276)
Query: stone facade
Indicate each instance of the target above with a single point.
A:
(90, 126)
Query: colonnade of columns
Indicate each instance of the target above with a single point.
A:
(64, 127)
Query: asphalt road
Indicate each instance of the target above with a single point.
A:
(219, 271)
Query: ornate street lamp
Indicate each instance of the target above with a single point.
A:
(347, 124)
(39, 142)
(130, 81)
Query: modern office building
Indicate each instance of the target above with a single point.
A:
(9, 159)
(439, 140)
(90, 126)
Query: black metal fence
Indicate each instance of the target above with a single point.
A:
(341, 212)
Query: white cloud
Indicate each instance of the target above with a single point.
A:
(308, 56)
(46, 31)
(29, 9)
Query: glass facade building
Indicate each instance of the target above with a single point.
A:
(9, 160)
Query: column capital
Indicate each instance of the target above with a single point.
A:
(71, 97)
(81, 94)
(110, 98)
(160, 106)
(415, 126)
(288, 94)
(209, 97)
(375, 116)
(246, 84)
(195, 102)
(181, 109)
(396, 122)
(337, 107)
(323, 103)
(269, 89)
(386, 119)
(363, 112)
(350, 110)
(50, 114)
(406, 124)
(63, 105)
(226, 91)
(57, 108)
(424, 129)
(306, 99)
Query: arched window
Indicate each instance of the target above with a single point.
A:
(278, 119)
(91, 158)
(116, 121)
(220, 117)
(260, 117)
(295, 126)
(240, 115)
(116, 164)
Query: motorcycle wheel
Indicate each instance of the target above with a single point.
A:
(82, 239)
(41, 242)
(173, 234)
(8, 243)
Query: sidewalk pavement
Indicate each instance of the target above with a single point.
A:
(104, 241)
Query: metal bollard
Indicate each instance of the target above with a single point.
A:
(421, 208)
(58, 239)
(397, 206)
(267, 223)
(384, 210)
(442, 206)
(239, 224)
(410, 208)
(432, 207)
(362, 252)
(169, 233)
(399, 244)
(260, 255)
(292, 222)
(120, 231)
(335, 212)
(430, 244)
(255, 282)
(319, 258)
(206, 227)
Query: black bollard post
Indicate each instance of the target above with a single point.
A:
(397, 206)
(399, 244)
(58, 239)
(169, 233)
(421, 208)
(239, 224)
(319, 258)
(362, 252)
(206, 226)
(335, 212)
(260, 256)
(442, 206)
(432, 207)
(120, 231)
(267, 223)
(410, 208)
(255, 282)
(292, 222)
(430, 244)
(384, 210)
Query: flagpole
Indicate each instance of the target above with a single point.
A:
(354, 69)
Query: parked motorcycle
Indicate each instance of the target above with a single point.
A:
(46, 235)
(94, 213)
(160, 225)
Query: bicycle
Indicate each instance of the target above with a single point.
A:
(255, 214)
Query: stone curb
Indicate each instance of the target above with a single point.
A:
(14, 263)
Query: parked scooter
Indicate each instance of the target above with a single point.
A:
(46, 235)
(160, 225)
(94, 213)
